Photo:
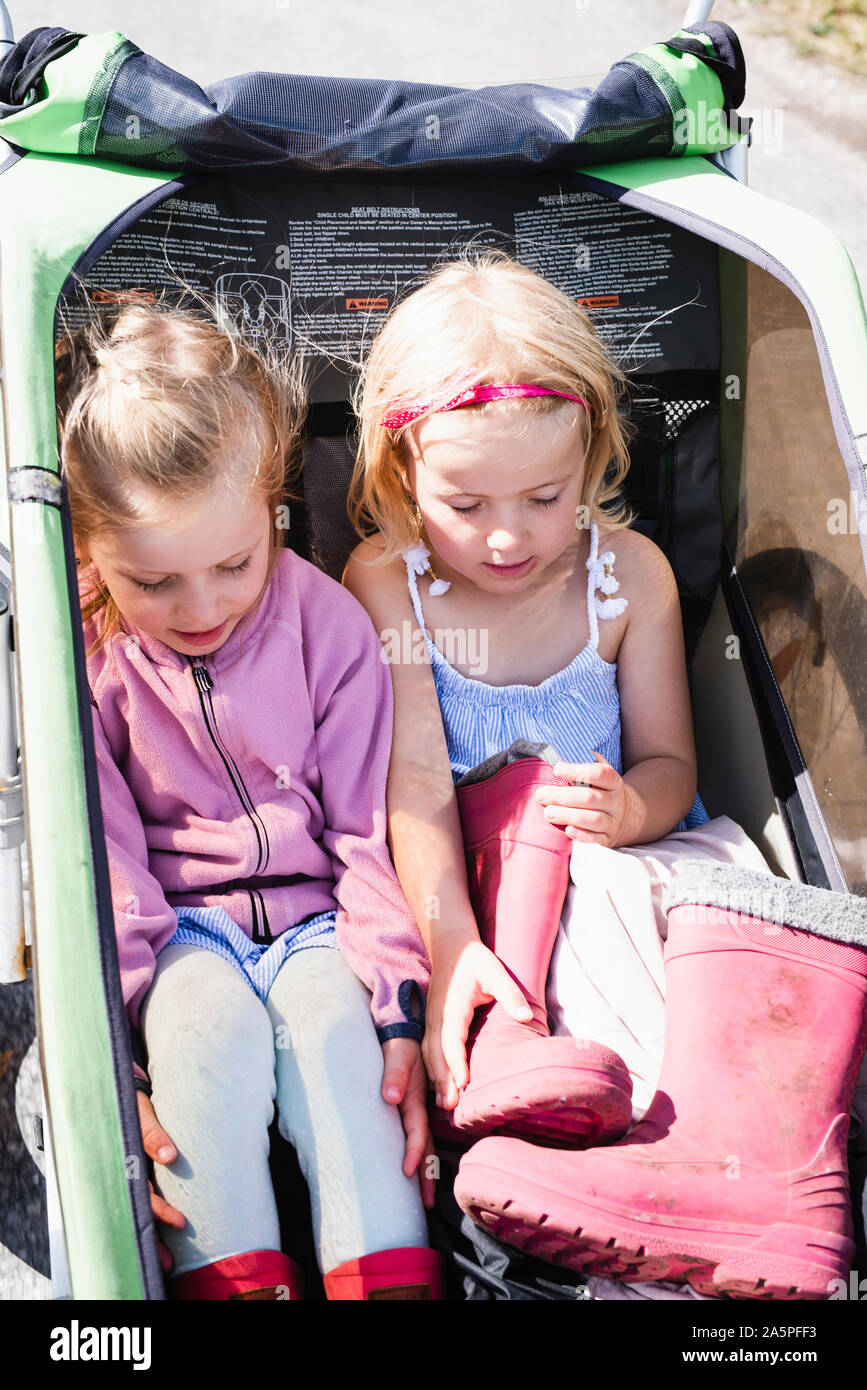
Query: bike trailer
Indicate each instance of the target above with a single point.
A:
(304, 206)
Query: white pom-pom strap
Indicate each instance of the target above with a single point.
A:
(602, 577)
(611, 607)
(417, 561)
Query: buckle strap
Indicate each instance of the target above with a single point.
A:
(33, 484)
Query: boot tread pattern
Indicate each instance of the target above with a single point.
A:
(615, 1257)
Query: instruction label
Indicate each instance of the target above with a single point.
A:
(316, 267)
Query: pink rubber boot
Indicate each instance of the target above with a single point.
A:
(523, 1081)
(736, 1180)
(256, 1274)
(410, 1274)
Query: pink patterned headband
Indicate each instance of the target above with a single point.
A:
(396, 419)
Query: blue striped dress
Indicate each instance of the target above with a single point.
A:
(577, 710)
(214, 930)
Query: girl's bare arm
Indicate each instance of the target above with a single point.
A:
(425, 832)
(657, 736)
(423, 821)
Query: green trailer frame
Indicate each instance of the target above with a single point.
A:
(51, 210)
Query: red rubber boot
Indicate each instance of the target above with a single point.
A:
(259, 1274)
(736, 1180)
(522, 1080)
(410, 1274)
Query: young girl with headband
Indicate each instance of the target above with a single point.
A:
(486, 486)
(491, 457)
(241, 718)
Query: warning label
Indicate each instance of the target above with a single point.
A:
(316, 267)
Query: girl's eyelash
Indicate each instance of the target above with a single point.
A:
(540, 502)
(227, 569)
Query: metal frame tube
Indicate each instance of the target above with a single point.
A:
(733, 160)
(697, 12)
(7, 38)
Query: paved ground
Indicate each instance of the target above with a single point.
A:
(810, 150)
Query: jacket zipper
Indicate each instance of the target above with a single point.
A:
(261, 935)
(205, 684)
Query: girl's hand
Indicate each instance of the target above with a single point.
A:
(159, 1147)
(464, 976)
(404, 1084)
(600, 812)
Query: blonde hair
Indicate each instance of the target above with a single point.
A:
(152, 401)
(503, 323)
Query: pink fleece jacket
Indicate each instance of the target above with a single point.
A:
(256, 783)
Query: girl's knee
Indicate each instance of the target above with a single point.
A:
(316, 991)
(325, 1039)
(199, 1010)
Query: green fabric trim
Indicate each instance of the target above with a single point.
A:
(38, 250)
(694, 94)
(54, 124)
(663, 79)
(94, 106)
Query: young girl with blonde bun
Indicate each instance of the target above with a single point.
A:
(242, 719)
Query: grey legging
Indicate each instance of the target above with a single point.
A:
(218, 1059)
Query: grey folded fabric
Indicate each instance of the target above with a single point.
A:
(822, 911)
(521, 748)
